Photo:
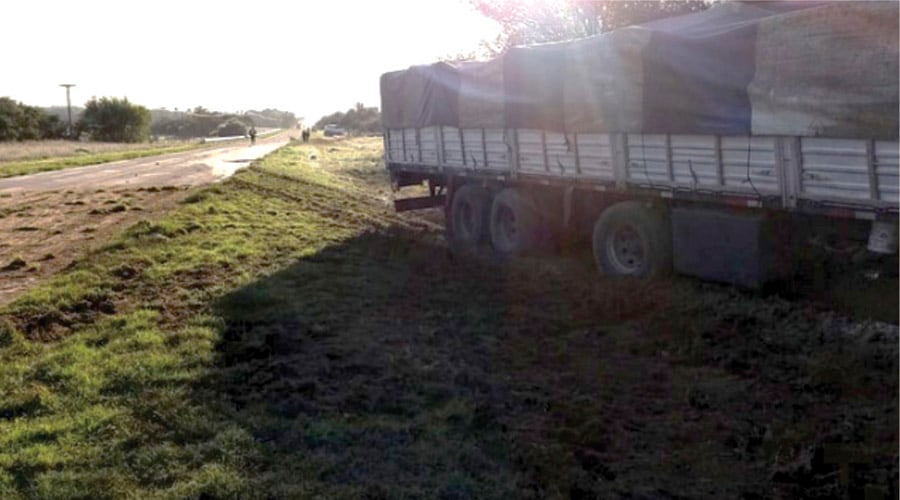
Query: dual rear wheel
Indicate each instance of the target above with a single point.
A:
(629, 238)
(508, 220)
(467, 219)
(515, 225)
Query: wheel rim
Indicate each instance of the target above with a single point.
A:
(506, 219)
(625, 249)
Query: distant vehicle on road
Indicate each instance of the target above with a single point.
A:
(333, 130)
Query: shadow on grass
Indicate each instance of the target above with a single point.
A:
(384, 368)
(378, 366)
(365, 370)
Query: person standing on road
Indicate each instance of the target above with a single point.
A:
(252, 135)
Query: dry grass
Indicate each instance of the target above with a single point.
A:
(28, 150)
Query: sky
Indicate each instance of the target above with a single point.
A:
(308, 57)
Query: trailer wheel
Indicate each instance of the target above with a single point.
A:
(632, 240)
(467, 221)
(514, 223)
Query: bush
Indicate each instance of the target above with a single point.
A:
(271, 118)
(200, 125)
(115, 120)
(19, 122)
(358, 121)
(231, 127)
(190, 125)
(52, 127)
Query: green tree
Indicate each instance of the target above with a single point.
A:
(19, 122)
(52, 127)
(358, 120)
(115, 120)
(30, 123)
(9, 119)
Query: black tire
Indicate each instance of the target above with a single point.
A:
(514, 223)
(468, 216)
(633, 240)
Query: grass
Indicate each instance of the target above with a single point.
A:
(285, 335)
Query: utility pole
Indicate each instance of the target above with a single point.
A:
(68, 106)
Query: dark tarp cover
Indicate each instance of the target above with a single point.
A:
(696, 71)
(533, 80)
(481, 95)
(766, 68)
(420, 96)
(392, 104)
(831, 71)
(603, 82)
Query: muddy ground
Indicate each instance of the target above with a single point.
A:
(43, 232)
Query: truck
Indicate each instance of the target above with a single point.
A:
(706, 143)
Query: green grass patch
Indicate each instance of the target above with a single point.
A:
(284, 334)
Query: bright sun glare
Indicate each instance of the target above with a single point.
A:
(311, 58)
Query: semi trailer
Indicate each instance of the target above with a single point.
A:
(706, 143)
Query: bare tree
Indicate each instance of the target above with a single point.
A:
(611, 14)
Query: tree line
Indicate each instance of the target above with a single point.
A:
(20, 122)
(358, 120)
(108, 119)
(111, 119)
(201, 122)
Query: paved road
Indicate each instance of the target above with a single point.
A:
(175, 169)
